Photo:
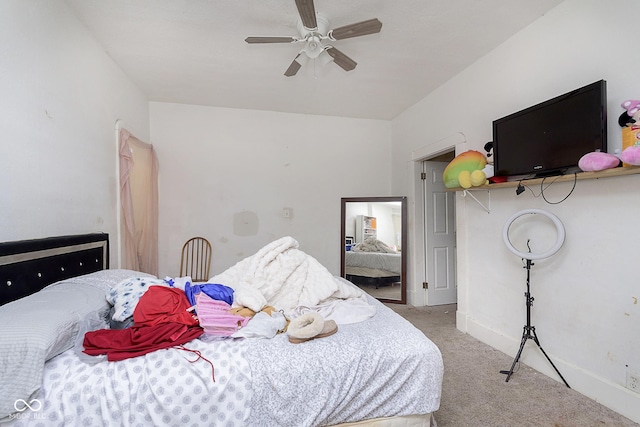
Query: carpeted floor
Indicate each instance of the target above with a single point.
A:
(474, 393)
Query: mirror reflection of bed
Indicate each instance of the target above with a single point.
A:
(373, 257)
(375, 266)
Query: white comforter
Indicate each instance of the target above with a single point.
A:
(372, 244)
(283, 276)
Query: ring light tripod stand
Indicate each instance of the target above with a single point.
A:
(529, 332)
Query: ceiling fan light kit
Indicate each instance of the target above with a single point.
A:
(314, 30)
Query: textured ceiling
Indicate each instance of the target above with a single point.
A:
(193, 51)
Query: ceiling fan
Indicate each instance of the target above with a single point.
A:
(314, 30)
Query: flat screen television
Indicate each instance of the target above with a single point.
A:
(549, 138)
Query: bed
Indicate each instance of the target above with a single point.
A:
(373, 267)
(373, 372)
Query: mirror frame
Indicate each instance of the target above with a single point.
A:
(403, 252)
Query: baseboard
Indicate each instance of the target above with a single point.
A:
(613, 396)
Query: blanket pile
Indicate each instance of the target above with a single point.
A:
(371, 244)
(283, 276)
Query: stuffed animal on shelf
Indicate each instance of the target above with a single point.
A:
(629, 121)
(597, 161)
(631, 154)
(488, 169)
(466, 170)
(630, 116)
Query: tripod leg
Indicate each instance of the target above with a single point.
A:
(525, 336)
(535, 338)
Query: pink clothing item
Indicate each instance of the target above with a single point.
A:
(215, 318)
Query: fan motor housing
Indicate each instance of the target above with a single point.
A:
(323, 26)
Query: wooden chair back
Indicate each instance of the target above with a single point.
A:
(196, 259)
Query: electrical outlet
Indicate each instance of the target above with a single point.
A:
(633, 381)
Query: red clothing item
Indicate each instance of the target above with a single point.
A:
(120, 344)
(160, 304)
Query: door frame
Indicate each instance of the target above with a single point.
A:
(416, 294)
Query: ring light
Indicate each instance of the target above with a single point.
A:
(529, 332)
(529, 255)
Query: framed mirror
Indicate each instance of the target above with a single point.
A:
(373, 246)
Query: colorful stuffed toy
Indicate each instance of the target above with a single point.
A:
(629, 121)
(466, 170)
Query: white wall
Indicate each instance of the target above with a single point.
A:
(586, 308)
(227, 175)
(61, 95)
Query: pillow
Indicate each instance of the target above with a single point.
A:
(125, 295)
(43, 325)
(106, 279)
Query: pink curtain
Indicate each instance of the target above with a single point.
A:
(139, 201)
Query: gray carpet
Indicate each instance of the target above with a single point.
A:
(474, 393)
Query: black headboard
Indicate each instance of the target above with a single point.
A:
(26, 266)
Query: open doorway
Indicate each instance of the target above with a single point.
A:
(439, 225)
(440, 152)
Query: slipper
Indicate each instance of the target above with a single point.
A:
(310, 326)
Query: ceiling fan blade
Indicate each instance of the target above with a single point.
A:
(293, 68)
(341, 59)
(307, 13)
(363, 28)
(271, 40)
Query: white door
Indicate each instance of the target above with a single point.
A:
(440, 236)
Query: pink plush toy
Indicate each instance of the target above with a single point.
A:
(631, 155)
(632, 106)
(598, 161)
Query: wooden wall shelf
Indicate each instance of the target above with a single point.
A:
(621, 171)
